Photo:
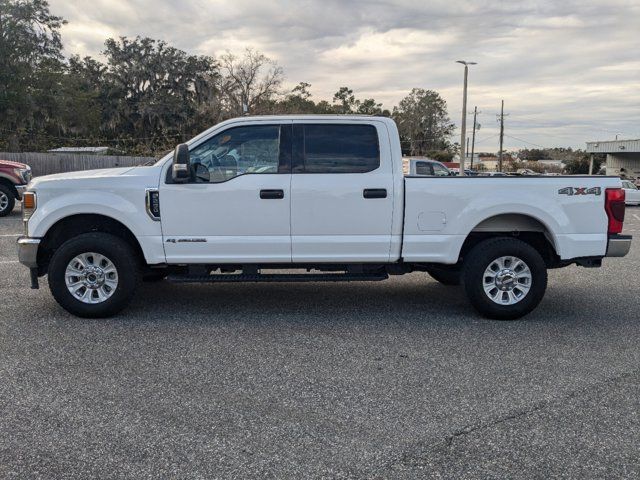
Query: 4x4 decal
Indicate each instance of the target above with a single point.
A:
(580, 191)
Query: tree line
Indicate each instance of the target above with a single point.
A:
(146, 96)
(576, 161)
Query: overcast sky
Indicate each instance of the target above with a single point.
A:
(569, 71)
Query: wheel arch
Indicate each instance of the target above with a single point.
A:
(74, 225)
(10, 185)
(528, 228)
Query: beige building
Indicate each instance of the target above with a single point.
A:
(621, 154)
(490, 164)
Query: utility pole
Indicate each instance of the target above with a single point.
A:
(501, 136)
(467, 149)
(463, 127)
(473, 141)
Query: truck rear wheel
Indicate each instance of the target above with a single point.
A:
(94, 275)
(7, 200)
(504, 278)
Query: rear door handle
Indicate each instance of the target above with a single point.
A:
(271, 194)
(374, 193)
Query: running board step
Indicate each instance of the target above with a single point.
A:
(269, 277)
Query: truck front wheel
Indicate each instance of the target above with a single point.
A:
(7, 200)
(504, 278)
(94, 275)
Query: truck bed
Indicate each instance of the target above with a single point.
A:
(440, 212)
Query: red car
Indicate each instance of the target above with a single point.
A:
(12, 175)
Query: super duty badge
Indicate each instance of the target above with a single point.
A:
(186, 240)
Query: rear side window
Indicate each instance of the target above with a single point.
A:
(339, 149)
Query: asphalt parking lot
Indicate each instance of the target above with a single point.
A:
(398, 379)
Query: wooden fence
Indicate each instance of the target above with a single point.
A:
(48, 163)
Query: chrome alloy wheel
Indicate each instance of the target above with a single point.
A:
(91, 277)
(507, 280)
(4, 201)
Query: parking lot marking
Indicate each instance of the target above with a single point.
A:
(10, 235)
(8, 261)
(636, 215)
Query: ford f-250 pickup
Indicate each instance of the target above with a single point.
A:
(13, 177)
(310, 198)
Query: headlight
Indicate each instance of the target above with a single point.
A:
(23, 173)
(29, 204)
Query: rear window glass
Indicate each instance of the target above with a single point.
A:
(340, 149)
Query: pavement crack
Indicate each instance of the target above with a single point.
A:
(411, 458)
(471, 428)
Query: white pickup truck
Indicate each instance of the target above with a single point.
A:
(310, 198)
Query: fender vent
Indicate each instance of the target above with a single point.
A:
(152, 203)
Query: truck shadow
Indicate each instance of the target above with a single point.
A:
(391, 300)
(411, 299)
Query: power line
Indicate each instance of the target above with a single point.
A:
(487, 138)
(524, 141)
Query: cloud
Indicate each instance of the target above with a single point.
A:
(568, 71)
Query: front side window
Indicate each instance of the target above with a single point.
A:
(237, 151)
(339, 148)
(424, 168)
(440, 170)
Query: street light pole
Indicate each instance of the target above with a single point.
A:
(463, 129)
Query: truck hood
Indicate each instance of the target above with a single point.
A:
(11, 164)
(102, 172)
(96, 178)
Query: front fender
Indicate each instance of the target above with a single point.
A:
(129, 210)
(52, 210)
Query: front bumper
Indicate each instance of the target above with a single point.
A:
(28, 251)
(21, 189)
(618, 245)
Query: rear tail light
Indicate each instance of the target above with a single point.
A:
(614, 206)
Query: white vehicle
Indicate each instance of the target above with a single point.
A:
(324, 195)
(526, 171)
(632, 192)
(428, 167)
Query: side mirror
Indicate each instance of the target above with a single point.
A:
(180, 169)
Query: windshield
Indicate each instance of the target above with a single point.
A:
(159, 162)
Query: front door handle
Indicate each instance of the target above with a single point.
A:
(374, 193)
(271, 194)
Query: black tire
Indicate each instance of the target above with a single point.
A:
(11, 200)
(478, 260)
(117, 251)
(445, 277)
